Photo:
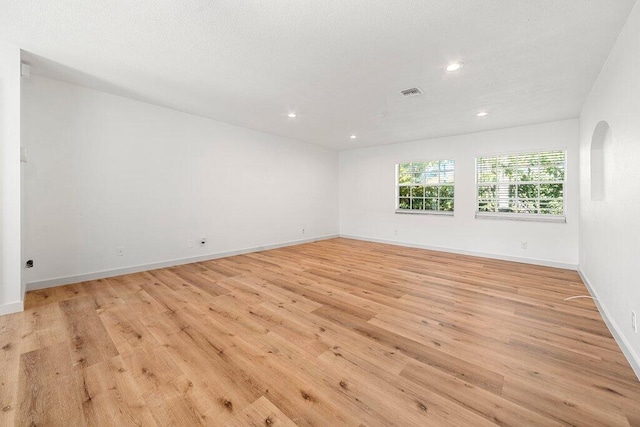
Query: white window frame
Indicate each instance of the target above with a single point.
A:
(398, 210)
(524, 216)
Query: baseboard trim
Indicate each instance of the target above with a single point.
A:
(59, 281)
(12, 307)
(544, 263)
(628, 352)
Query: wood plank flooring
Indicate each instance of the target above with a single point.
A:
(337, 332)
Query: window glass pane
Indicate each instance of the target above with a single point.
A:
(552, 165)
(487, 205)
(418, 167)
(487, 192)
(508, 205)
(545, 204)
(432, 167)
(431, 191)
(404, 191)
(507, 168)
(527, 166)
(552, 206)
(503, 194)
(404, 178)
(551, 191)
(417, 191)
(447, 165)
(432, 174)
(446, 191)
(487, 169)
(431, 204)
(409, 167)
(417, 204)
(527, 191)
(446, 204)
(447, 172)
(528, 206)
(404, 203)
(447, 177)
(557, 207)
(404, 168)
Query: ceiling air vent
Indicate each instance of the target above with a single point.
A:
(414, 91)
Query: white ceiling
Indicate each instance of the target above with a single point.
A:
(339, 64)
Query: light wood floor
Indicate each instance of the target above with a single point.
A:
(338, 332)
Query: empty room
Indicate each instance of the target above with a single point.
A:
(278, 213)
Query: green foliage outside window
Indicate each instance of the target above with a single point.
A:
(426, 186)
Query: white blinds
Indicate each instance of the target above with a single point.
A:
(524, 183)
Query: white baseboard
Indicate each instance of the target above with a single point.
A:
(465, 252)
(624, 345)
(58, 281)
(12, 307)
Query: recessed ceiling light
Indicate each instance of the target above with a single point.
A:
(292, 115)
(454, 66)
(353, 137)
(482, 114)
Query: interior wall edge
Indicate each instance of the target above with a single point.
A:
(12, 307)
(59, 281)
(627, 350)
(534, 261)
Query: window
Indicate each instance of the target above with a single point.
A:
(425, 187)
(521, 186)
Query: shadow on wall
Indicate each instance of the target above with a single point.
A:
(600, 143)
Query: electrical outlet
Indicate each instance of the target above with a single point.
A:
(120, 251)
(395, 232)
(189, 243)
(303, 231)
(203, 241)
(524, 245)
(634, 321)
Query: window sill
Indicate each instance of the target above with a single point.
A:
(521, 217)
(416, 212)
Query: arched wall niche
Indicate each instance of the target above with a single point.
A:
(601, 139)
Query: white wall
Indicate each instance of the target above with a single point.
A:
(10, 264)
(610, 229)
(107, 172)
(367, 197)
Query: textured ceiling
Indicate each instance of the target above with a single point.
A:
(339, 64)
